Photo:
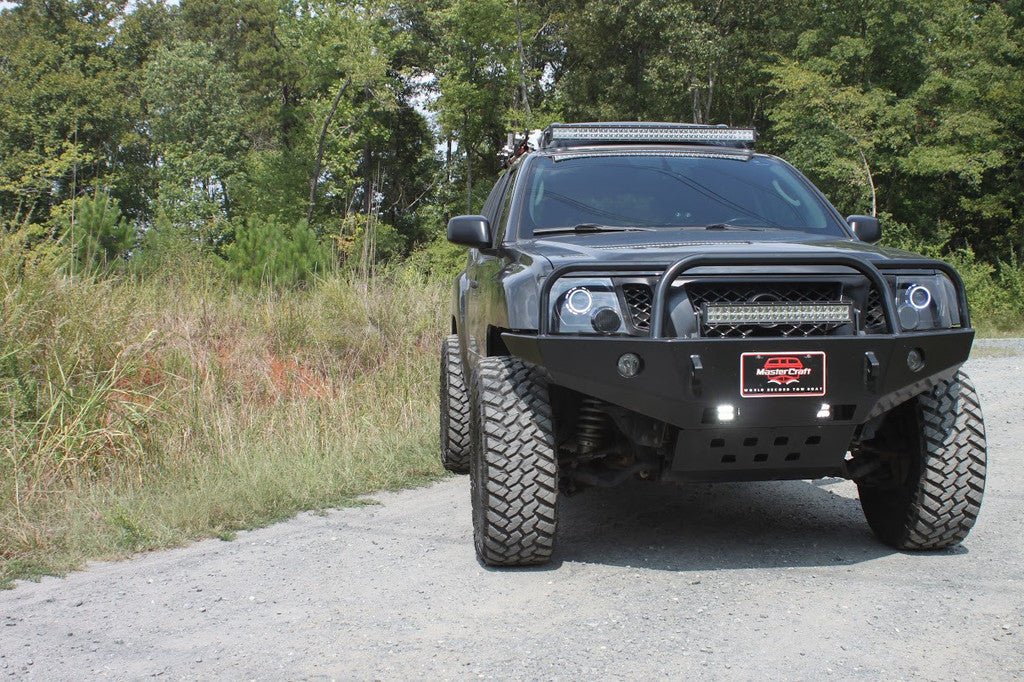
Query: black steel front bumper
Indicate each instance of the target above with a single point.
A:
(683, 381)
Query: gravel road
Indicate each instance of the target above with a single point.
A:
(730, 581)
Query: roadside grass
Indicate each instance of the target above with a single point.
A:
(986, 330)
(147, 412)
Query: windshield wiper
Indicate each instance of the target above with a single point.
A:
(591, 227)
(740, 228)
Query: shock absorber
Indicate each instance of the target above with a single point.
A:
(592, 426)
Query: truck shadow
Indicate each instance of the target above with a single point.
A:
(717, 526)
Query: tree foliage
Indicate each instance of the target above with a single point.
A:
(100, 235)
(194, 121)
(215, 116)
(927, 97)
(267, 252)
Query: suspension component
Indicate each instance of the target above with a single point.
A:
(593, 426)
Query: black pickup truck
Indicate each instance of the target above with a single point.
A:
(658, 301)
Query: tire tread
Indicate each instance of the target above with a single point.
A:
(516, 481)
(455, 411)
(943, 504)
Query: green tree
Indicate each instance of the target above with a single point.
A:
(918, 103)
(195, 115)
(637, 60)
(964, 163)
(677, 61)
(476, 63)
(100, 235)
(356, 91)
(842, 135)
(64, 109)
(267, 252)
(255, 40)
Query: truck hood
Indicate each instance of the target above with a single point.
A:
(662, 248)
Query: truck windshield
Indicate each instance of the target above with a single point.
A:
(671, 189)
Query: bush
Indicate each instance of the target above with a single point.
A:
(267, 252)
(438, 258)
(164, 248)
(66, 347)
(362, 243)
(100, 235)
(995, 292)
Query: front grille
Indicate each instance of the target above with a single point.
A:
(700, 293)
(874, 314)
(639, 298)
(751, 292)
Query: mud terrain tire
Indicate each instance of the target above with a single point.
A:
(514, 465)
(935, 499)
(455, 410)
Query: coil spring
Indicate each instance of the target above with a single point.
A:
(592, 426)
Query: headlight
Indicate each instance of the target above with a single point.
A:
(586, 306)
(926, 302)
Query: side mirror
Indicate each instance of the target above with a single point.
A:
(865, 227)
(473, 231)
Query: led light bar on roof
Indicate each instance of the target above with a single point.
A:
(777, 313)
(650, 133)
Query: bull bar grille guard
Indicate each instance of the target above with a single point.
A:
(671, 272)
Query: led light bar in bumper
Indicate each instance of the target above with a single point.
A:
(777, 313)
(651, 133)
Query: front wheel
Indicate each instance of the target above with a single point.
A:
(514, 464)
(932, 495)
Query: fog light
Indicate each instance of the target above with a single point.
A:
(909, 316)
(606, 321)
(825, 411)
(726, 413)
(915, 359)
(630, 365)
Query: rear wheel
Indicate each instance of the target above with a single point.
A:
(454, 409)
(936, 450)
(514, 467)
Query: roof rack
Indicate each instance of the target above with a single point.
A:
(632, 132)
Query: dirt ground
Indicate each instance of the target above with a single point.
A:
(730, 581)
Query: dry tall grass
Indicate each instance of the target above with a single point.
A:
(145, 412)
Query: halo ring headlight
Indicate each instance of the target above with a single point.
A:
(586, 305)
(926, 301)
(579, 301)
(919, 297)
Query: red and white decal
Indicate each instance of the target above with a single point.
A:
(768, 375)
